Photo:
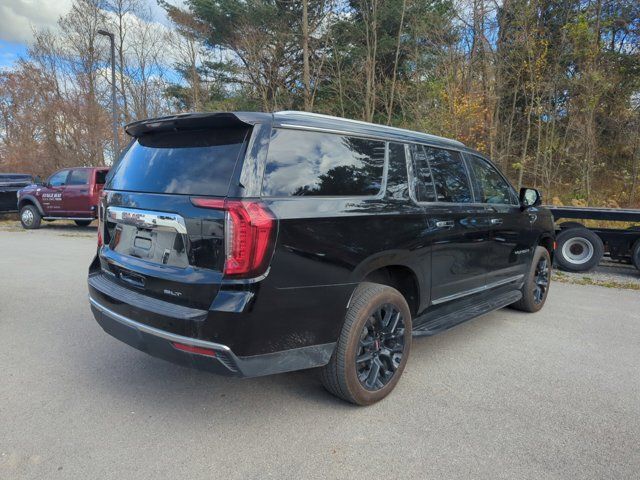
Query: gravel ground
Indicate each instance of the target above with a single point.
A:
(508, 396)
(608, 274)
(58, 227)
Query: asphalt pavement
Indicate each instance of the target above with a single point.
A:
(509, 395)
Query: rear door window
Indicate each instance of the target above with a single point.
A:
(78, 177)
(424, 188)
(301, 163)
(397, 184)
(199, 162)
(101, 176)
(449, 175)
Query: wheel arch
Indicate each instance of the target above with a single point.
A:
(547, 241)
(30, 200)
(392, 269)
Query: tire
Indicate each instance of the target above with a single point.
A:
(567, 225)
(369, 381)
(83, 223)
(635, 254)
(579, 250)
(30, 217)
(537, 282)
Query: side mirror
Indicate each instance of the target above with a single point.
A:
(37, 180)
(529, 197)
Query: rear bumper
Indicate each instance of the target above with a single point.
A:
(159, 343)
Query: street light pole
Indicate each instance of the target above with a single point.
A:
(114, 105)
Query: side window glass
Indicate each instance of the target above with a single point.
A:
(449, 175)
(58, 179)
(301, 163)
(424, 187)
(397, 183)
(492, 187)
(101, 176)
(78, 177)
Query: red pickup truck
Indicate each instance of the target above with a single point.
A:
(68, 194)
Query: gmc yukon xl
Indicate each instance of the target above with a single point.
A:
(251, 244)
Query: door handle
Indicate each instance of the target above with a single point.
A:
(445, 224)
(496, 221)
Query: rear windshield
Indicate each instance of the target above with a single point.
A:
(184, 162)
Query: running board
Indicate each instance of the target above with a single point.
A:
(449, 320)
(69, 218)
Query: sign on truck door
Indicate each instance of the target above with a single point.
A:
(51, 195)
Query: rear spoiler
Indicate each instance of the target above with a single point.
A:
(196, 121)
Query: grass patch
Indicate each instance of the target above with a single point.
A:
(563, 278)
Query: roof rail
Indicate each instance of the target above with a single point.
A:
(361, 122)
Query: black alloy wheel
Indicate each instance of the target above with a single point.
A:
(536, 282)
(373, 348)
(381, 347)
(541, 280)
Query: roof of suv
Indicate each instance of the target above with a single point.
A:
(294, 119)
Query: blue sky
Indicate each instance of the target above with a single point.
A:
(10, 51)
(18, 18)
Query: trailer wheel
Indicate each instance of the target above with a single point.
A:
(635, 254)
(579, 249)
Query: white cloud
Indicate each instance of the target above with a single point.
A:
(19, 17)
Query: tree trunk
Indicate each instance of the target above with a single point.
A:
(306, 72)
(395, 64)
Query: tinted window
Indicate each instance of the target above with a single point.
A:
(101, 176)
(13, 180)
(58, 179)
(449, 175)
(492, 188)
(397, 186)
(423, 183)
(184, 162)
(311, 163)
(78, 177)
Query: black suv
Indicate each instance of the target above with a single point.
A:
(252, 243)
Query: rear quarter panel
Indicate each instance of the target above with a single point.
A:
(325, 247)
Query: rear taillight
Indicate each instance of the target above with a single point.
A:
(249, 230)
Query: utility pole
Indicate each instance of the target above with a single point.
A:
(114, 105)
